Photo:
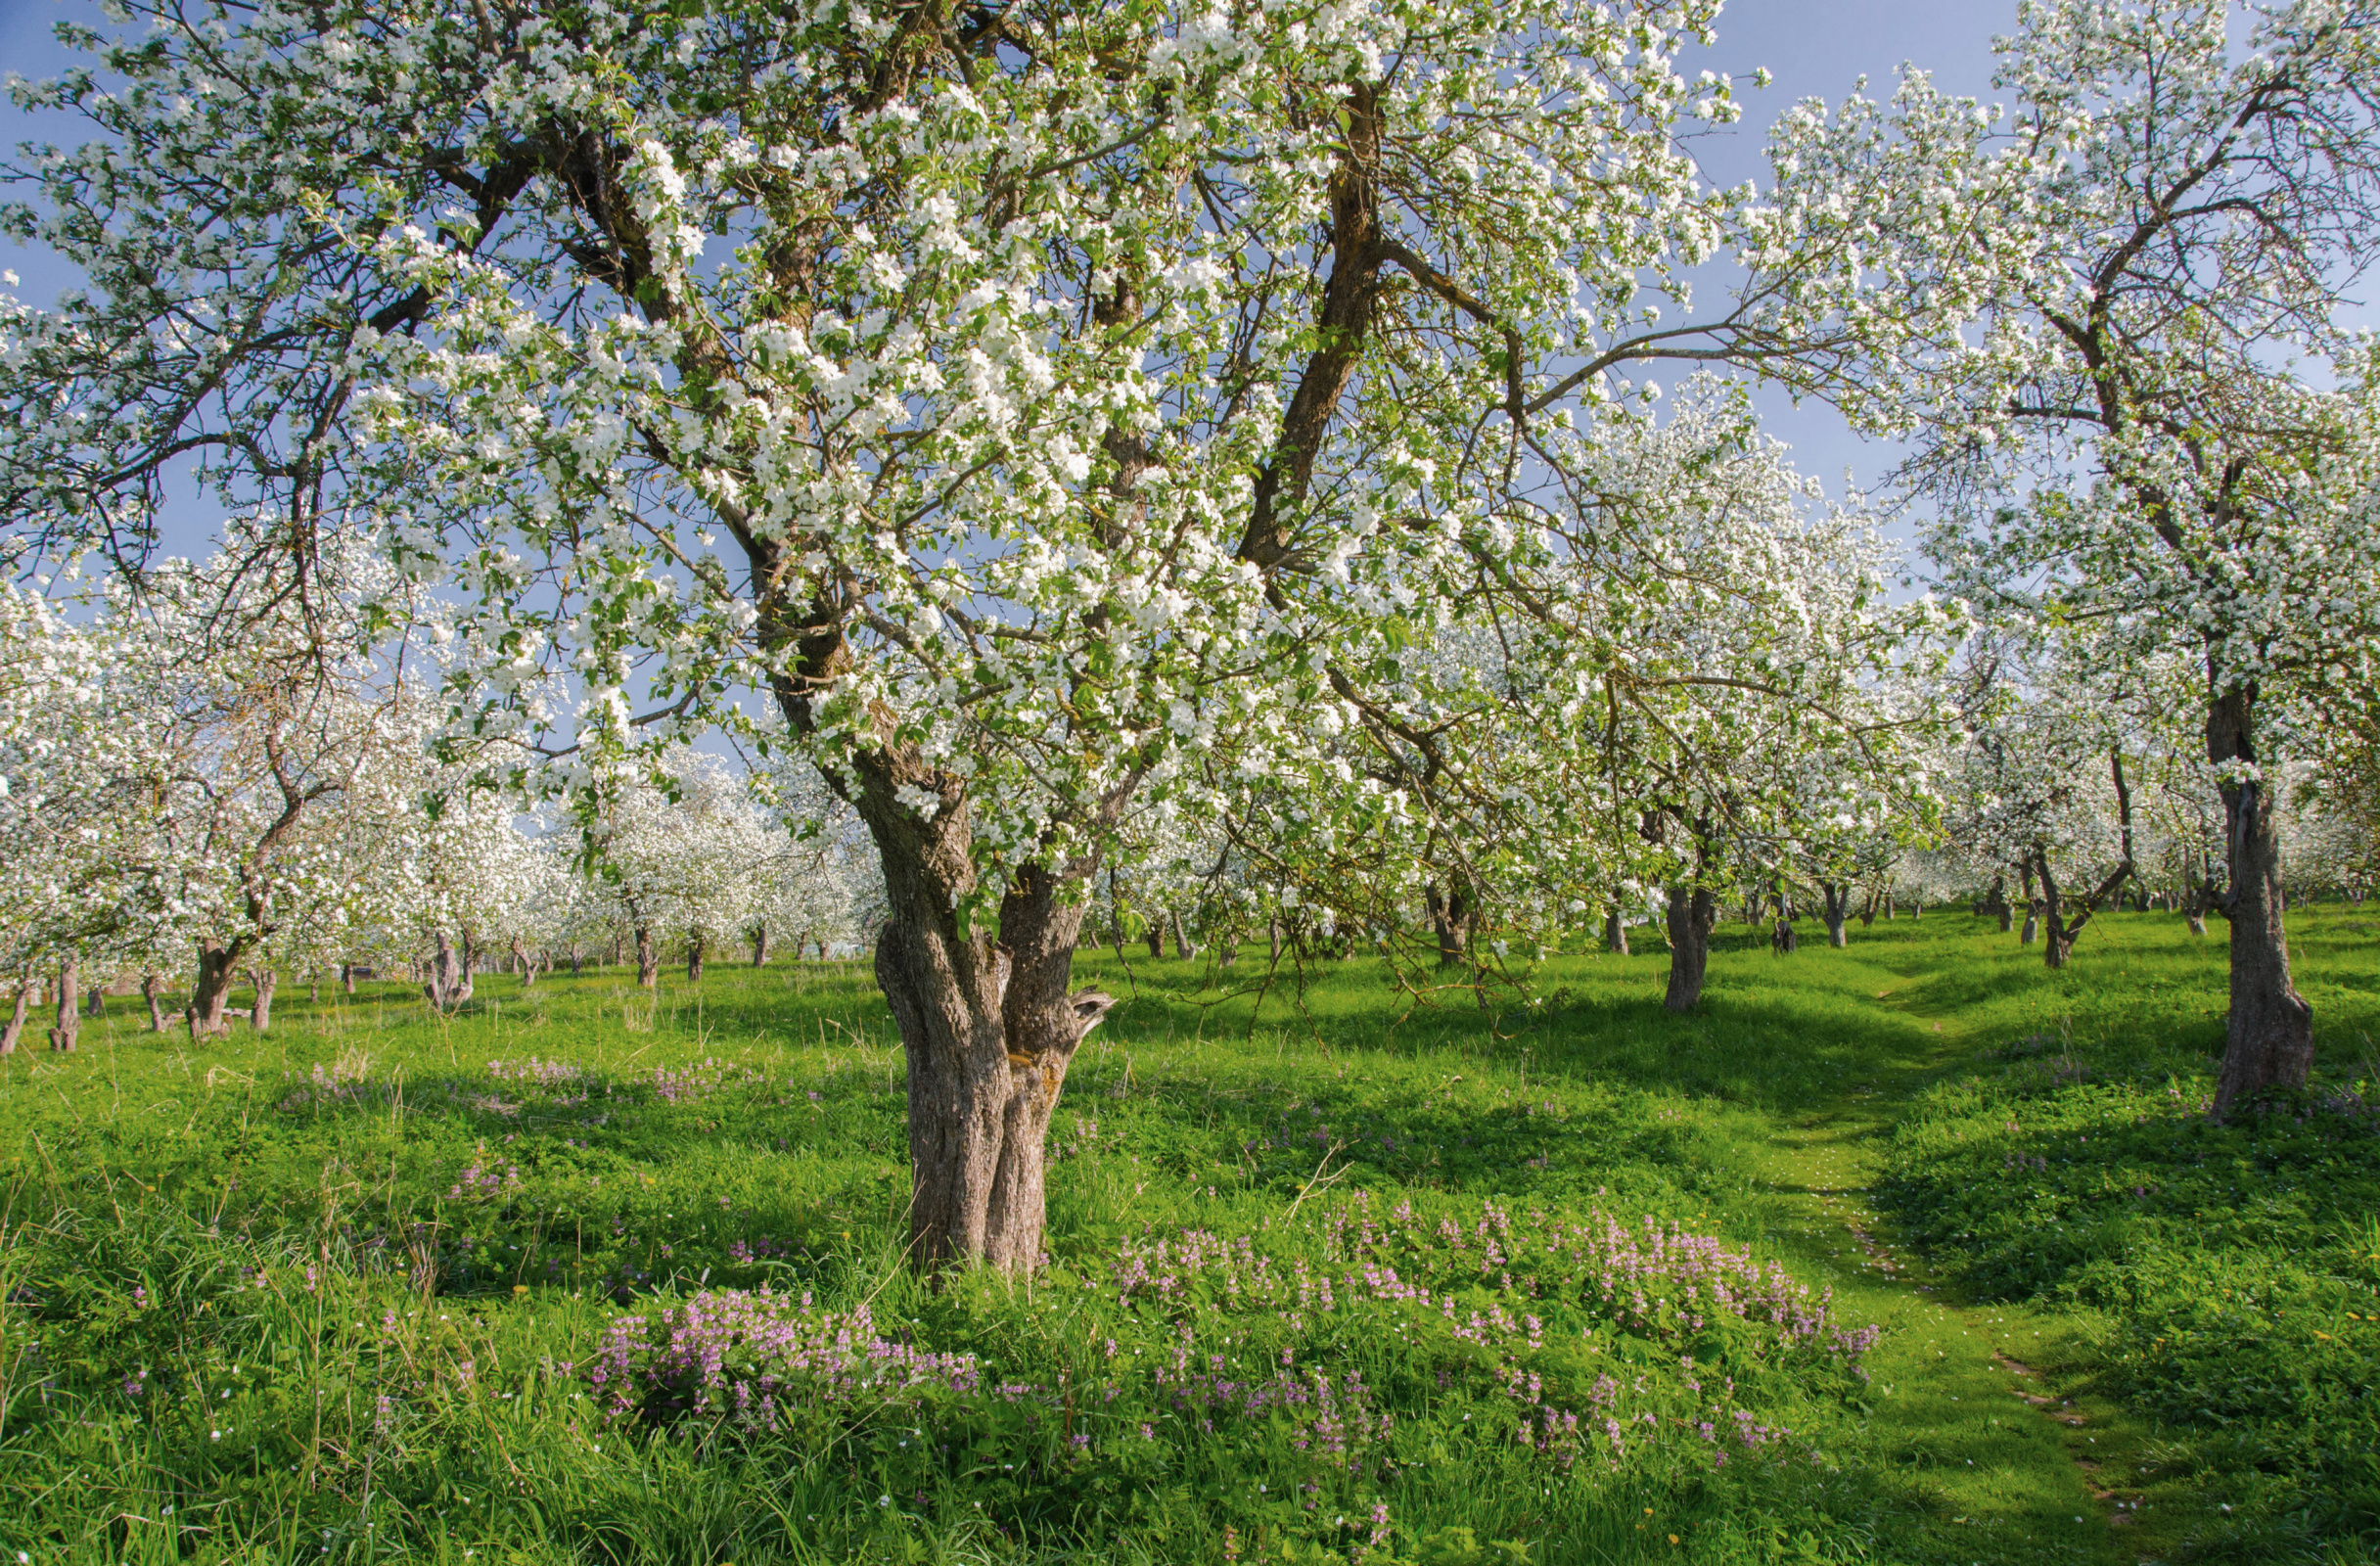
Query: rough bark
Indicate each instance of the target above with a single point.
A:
(1693, 915)
(2268, 1034)
(988, 1029)
(14, 1029)
(648, 959)
(450, 983)
(211, 995)
(759, 946)
(69, 1020)
(1183, 947)
(1783, 936)
(694, 959)
(151, 987)
(1615, 934)
(1451, 917)
(1838, 913)
(524, 963)
(1155, 935)
(260, 1008)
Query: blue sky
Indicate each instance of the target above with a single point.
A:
(1813, 49)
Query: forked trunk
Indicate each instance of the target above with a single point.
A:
(69, 1020)
(524, 963)
(260, 1010)
(152, 984)
(1693, 915)
(449, 982)
(210, 995)
(988, 1029)
(694, 959)
(1182, 947)
(2268, 1036)
(1838, 910)
(1615, 934)
(648, 959)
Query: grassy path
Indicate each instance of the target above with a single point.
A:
(1989, 1409)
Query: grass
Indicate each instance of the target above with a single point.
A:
(1335, 1275)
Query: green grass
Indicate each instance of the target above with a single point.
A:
(342, 1292)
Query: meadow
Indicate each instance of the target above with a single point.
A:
(1909, 1252)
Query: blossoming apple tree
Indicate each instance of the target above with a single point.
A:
(1024, 398)
(2163, 422)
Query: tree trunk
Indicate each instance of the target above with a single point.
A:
(1272, 932)
(261, 1011)
(987, 1027)
(1156, 937)
(2268, 1036)
(524, 962)
(615, 950)
(1451, 918)
(211, 995)
(346, 976)
(759, 946)
(150, 985)
(69, 1020)
(1693, 915)
(2059, 944)
(1615, 934)
(14, 1028)
(648, 959)
(1784, 938)
(574, 959)
(95, 1001)
(1229, 952)
(1182, 946)
(694, 959)
(449, 982)
(1838, 913)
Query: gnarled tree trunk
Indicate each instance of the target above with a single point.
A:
(2269, 1035)
(69, 1021)
(1838, 913)
(1451, 918)
(260, 1010)
(14, 1029)
(210, 995)
(450, 983)
(1693, 915)
(648, 959)
(524, 962)
(988, 1029)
